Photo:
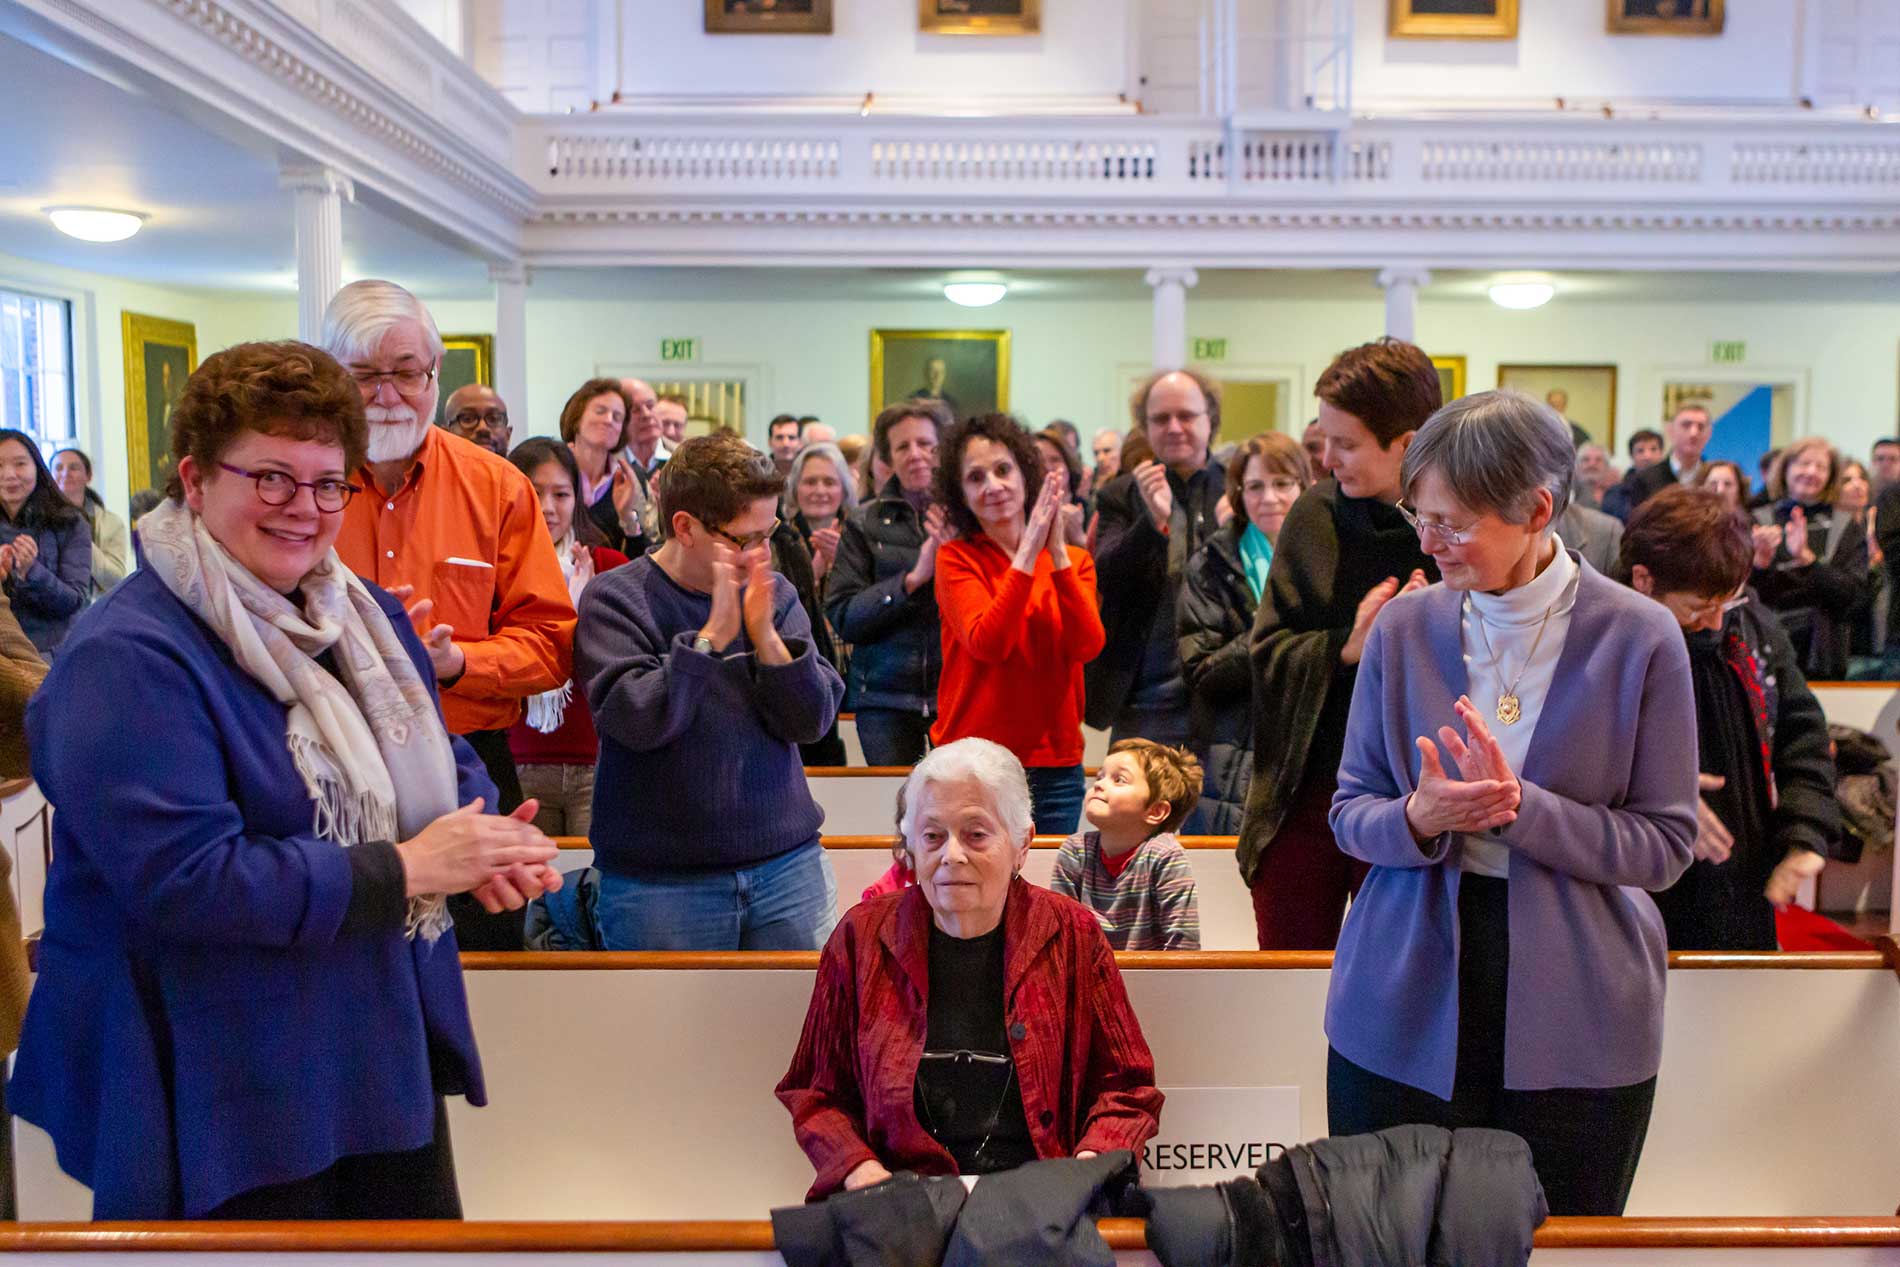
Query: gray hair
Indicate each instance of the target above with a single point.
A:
(362, 313)
(1494, 450)
(833, 454)
(984, 762)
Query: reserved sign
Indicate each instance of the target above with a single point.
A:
(1211, 1134)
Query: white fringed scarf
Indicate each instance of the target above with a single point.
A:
(547, 710)
(371, 748)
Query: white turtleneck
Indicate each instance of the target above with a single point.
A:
(1510, 622)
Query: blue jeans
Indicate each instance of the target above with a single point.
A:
(893, 736)
(785, 903)
(1055, 795)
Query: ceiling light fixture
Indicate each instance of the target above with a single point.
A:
(95, 224)
(1522, 295)
(974, 294)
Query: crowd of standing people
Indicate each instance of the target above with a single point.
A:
(395, 658)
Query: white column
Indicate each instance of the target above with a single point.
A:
(1401, 286)
(511, 338)
(1170, 315)
(320, 195)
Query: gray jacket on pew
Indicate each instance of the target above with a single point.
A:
(1412, 1194)
(1040, 1213)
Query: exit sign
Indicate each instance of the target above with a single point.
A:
(679, 349)
(1210, 349)
(1728, 352)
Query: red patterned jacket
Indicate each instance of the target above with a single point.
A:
(1086, 1074)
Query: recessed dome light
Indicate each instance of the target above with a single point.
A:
(974, 294)
(1522, 294)
(95, 224)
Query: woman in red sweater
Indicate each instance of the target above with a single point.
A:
(554, 744)
(1018, 612)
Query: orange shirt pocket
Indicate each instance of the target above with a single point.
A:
(464, 598)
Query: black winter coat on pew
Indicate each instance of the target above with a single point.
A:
(1215, 623)
(1411, 1194)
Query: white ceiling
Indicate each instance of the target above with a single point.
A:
(217, 217)
(218, 220)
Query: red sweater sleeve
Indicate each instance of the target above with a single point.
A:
(1121, 1105)
(1082, 635)
(821, 1087)
(988, 622)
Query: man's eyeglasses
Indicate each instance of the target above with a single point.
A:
(748, 541)
(470, 419)
(1444, 532)
(408, 381)
(277, 488)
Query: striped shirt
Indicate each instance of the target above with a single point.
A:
(1150, 906)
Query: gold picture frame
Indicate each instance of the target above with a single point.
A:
(466, 358)
(1661, 17)
(975, 375)
(1591, 390)
(1422, 20)
(1451, 376)
(768, 17)
(160, 354)
(983, 17)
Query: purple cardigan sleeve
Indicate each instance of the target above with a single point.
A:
(1647, 840)
(1368, 813)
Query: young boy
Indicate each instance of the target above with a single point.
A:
(1130, 870)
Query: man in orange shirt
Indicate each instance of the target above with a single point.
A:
(456, 525)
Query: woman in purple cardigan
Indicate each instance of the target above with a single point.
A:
(1503, 965)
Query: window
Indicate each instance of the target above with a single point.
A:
(36, 367)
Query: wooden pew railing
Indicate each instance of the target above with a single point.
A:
(885, 842)
(1125, 1235)
(1126, 960)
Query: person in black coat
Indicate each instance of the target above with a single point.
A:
(1224, 582)
(791, 560)
(1688, 434)
(1768, 815)
(1810, 559)
(882, 597)
(1149, 523)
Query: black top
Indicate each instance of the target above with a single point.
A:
(967, 1089)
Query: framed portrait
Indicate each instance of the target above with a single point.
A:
(981, 17)
(772, 17)
(160, 355)
(966, 369)
(1584, 394)
(466, 358)
(1665, 17)
(1451, 376)
(1452, 19)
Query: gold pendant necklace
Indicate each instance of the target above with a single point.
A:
(1510, 709)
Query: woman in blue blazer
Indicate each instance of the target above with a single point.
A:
(1520, 772)
(249, 1002)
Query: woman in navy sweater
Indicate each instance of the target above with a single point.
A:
(249, 1002)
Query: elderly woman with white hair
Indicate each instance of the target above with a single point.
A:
(820, 494)
(1503, 965)
(971, 1022)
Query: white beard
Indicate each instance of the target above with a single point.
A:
(394, 434)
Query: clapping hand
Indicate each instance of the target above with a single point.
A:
(1795, 536)
(1223, 512)
(1369, 608)
(1767, 541)
(1151, 478)
(1713, 842)
(722, 626)
(445, 657)
(824, 551)
(936, 532)
(1789, 874)
(1486, 796)
(521, 883)
(25, 551)
(1035, 536)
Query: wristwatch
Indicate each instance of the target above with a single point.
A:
(703, 645)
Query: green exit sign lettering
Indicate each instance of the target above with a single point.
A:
(679, 349)
(1728, 351)
(1210, 349)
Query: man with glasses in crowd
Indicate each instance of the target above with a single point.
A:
(478, 415)
(460, 530)
(699, 665)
